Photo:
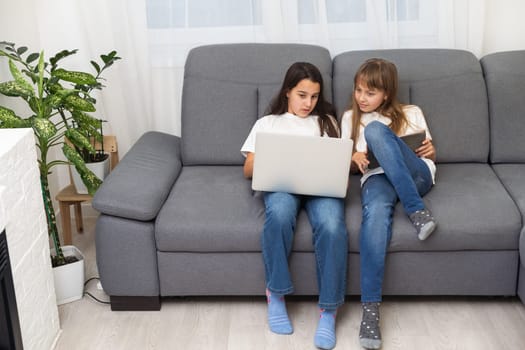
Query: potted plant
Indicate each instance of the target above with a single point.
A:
(97, 162)
(60, 101)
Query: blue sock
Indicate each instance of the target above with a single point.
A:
(325, 334)
(277, 315)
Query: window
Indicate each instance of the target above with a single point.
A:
(202, 13)
(177, 25)
(346, 11)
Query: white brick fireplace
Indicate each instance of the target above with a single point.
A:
(22, 215)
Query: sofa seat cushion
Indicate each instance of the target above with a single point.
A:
(213, 209)
(210, 208)
(473, 211)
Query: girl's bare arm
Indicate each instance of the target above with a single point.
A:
(248, 165)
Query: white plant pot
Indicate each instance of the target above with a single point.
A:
(100, 169)
(69, 278)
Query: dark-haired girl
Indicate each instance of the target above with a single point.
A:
(300, 109)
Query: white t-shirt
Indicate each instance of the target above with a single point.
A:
(416, 122)
(286, 123)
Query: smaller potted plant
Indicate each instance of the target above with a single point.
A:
(97, 162)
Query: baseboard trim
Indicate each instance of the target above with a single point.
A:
(134, 303)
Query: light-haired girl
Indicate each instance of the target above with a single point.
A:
(375, 122)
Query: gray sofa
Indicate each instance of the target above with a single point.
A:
(178, 217)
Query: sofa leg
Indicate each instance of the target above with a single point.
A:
(134, 303)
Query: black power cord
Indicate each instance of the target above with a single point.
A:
(91, 295)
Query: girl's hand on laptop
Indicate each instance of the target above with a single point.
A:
(361, 161)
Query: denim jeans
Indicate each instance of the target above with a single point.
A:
(330, 240)
(406, 178)
(404, 169)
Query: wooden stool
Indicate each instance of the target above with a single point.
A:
(68, 195)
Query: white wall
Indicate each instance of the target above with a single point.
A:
(26, 230)
(504, 26)
(17, 24)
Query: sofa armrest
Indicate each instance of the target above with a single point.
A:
(142, 180)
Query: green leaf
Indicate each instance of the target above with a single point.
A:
(6, 113)
(33, 74)
(78, 103)
(110, 58)
(44, 128)
(60, 55)
(57, 97)
(19, 78)
(54, 86)
(75, 77)
(89, 125)
(85, 120)
(32, 57)
(91, 181)
(79, 140)
(8, 119)
(21, 50)
(41, 66)
(14, 89)
(46, 111)
(97, 67)
(33, 104)
(54, 101)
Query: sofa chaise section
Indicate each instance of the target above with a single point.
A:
(505, 76)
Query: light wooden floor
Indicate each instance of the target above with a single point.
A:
(429, 323)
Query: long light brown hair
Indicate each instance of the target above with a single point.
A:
(378, 73)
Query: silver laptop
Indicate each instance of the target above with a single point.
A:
(309, 165)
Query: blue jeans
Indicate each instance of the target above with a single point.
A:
(406, 178)
(330, 240)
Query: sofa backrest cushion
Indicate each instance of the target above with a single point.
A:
(449, 87)
(227, 87)
(505, 78)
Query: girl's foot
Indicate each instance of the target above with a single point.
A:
(424, 223)
(325, 334)
(369, 333)
(277, 315)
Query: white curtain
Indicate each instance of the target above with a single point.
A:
(144, 88)
(97, 27)
(339, 25)
(93, 27)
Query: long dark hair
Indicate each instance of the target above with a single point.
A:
(323, 109)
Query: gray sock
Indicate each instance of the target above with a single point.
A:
(369, 333)
(424, 222)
